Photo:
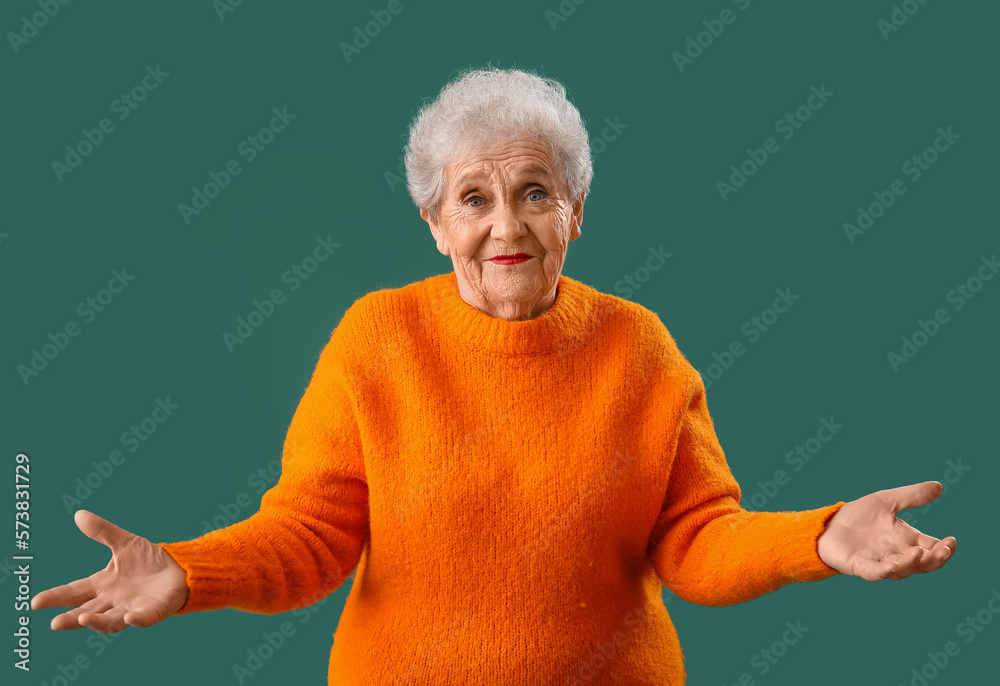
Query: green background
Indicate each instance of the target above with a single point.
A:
(330, 173)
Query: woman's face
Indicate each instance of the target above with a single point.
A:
(502, 202)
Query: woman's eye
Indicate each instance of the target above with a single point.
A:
(470, 202)
(540, 194)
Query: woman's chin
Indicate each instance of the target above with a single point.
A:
(516, 291)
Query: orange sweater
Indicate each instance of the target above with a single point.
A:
(512, 494)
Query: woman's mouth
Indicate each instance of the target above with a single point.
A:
(510, 259)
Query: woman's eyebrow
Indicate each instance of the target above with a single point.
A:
(471, 179)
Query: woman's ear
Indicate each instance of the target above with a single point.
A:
(432, 222)
(577, 217)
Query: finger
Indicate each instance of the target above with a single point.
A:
(923, 540)
(907, 563)
(873, 569)
(934, 558)
(108, 622)
(67, 595)
(914, 495)
(145, 615)
(70, 620)
(101, 530)
(931, 543)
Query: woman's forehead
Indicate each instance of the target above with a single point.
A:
(512, 162)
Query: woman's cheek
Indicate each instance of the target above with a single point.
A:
(554, 229)
(469, 238)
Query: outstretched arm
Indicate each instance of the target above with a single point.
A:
(704, 546)
(303, 543)
(312, 525)
(865, 538)
(707, 549)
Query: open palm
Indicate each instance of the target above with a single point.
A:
(141, 585)
(865, 538)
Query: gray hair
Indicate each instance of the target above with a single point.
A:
(482, 108)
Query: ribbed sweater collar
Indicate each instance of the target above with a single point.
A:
(559, 329)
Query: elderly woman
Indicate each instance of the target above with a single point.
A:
(515, 462)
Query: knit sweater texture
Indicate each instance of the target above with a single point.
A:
(512, 496)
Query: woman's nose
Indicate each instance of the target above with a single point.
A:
(507, 225)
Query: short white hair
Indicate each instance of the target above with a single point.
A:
(482, 108)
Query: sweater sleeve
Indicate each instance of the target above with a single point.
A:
(705, 547)
(312, 525)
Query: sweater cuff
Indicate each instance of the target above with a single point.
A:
(209, 581)
(799, 549)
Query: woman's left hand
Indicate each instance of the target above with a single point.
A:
(865, 537)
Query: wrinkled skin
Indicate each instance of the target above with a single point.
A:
(495, 203)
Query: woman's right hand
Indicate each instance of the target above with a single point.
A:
(141, 585)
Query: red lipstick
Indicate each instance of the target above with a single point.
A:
(510, 259)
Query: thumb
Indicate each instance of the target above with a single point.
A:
(101, 530)
(913, 495)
